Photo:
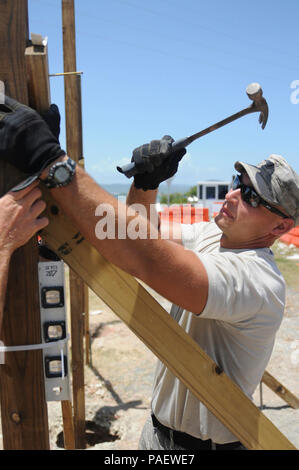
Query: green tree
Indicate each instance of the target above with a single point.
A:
(174, 198)
(192, 192)
(178, 198)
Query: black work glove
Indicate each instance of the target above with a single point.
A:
(52, 118)
(156, 162)
(25, 139)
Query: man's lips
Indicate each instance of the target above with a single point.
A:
(226, 212)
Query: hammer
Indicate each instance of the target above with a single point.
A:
(254, 92)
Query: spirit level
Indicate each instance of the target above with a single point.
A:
(54, 330)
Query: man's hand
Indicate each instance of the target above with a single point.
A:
(20, 217)
(26, 141)
(156, 162)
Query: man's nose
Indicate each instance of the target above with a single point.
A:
(233, 194)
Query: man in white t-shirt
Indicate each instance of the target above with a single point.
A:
(236, 329)
(224, 274)
(245, 303)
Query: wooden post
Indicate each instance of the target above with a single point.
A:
(73, 116)
(68, 425)
(23, 405)
(88, 360)
(86, 326)
(39, 99)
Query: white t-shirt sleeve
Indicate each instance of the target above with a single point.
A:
(192, 233)
(235, 293)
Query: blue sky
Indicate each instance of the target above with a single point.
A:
(175, 67)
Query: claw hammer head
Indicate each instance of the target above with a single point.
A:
(255, 93)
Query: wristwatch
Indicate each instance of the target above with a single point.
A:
(60, 174)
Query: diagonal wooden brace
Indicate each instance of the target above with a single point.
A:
(280, 390)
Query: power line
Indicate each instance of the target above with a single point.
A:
(180, 40)
(194, 43)
(170, 55)
(179, 57)
(201, 26)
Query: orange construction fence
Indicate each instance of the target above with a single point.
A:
(291, 238)
(185, 214)
(190, 215)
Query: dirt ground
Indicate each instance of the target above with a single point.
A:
(119, 380)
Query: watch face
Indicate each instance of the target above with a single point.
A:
(61, 174)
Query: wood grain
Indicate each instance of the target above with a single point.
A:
(73, 119)
(280, 390)
(23, 405)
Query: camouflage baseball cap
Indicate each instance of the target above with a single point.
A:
(276, 182)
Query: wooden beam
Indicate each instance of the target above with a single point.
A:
(73, 117)
(86, 326)
(23, 406)
(86, 312)
(14, 33)
(68, 425)
(39, 98)
(72, 83)
(159, 332)
(38, 70)
(280, 390)
(77, 335)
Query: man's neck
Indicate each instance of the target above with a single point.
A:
(264, 242)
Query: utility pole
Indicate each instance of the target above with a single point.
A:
(23, 406)
(73, 116)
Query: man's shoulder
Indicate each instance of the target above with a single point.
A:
(199, 233)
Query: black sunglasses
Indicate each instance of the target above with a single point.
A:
(250, 196)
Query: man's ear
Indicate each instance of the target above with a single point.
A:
(283, 227)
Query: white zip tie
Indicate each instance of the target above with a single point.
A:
(31, 347)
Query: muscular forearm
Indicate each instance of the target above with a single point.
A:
(143, 197)
(166, 267)
(87, 204)
(169, 231)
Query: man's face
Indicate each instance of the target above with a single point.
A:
(243, 225)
